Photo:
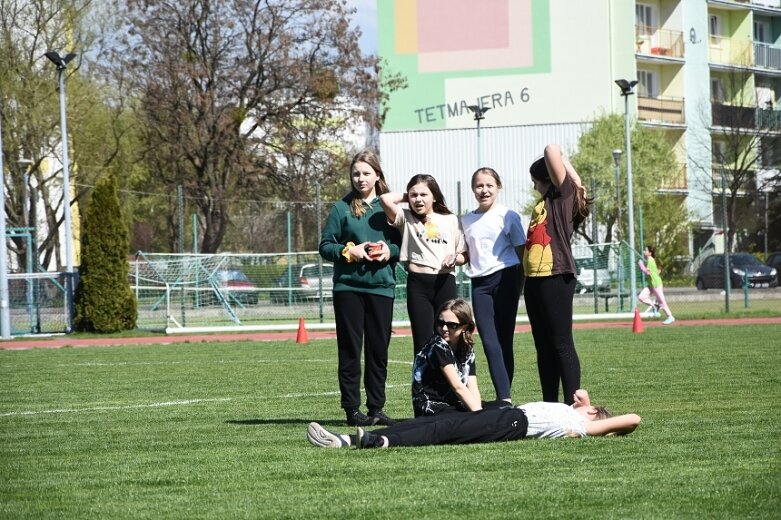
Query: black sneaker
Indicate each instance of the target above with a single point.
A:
(381, 418)
(365, 440)
(357, 418)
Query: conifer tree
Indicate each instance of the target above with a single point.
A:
(104, 300)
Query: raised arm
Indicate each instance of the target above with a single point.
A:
(554, 161)
(619, 425)
(390, 204)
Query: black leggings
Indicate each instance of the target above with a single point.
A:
(549, 306)
(495, 302)
(425, 293)
(453, 427)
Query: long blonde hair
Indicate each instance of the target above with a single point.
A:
(357, 207)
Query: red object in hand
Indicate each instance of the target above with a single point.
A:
(373, 249)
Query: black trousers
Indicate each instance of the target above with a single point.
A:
(425, 293)
(362, 320)
(549, 306)
(454, 427)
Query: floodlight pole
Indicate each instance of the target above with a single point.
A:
(5, 314)
(626, 91)
(61, 63)
(479, 112)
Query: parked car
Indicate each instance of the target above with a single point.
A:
(235, 287)
(585, 281)
(302, 283)
(774, 260)
(710, 274)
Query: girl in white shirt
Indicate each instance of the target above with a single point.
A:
(495, 239)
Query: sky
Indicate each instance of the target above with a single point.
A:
(366, 19)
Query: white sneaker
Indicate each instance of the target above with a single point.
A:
(322, 438)
(656, 310)
(669, 320)
(650, 312)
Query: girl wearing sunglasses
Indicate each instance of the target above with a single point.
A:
(444, 377)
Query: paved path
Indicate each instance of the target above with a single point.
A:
(66, 341)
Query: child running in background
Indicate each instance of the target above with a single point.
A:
(444, 376)
(432, 245)
(654, 286)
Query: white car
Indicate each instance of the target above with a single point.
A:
(585, 283)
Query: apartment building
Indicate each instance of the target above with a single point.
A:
(708, 72)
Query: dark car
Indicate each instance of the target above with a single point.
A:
(302, 282)
(774, 260)
(710, 275)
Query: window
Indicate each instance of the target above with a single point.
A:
(718, 151)
(716, 29)
(716, 90)
(761, 32)
(647, 84)
(645, 19)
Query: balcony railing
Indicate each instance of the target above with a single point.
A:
(733, 116)
(728, 51)
(658, 41)
(663, 109)
(767, 56)
(768, 119)
(677, 182)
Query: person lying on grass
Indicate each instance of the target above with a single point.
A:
(528, 421)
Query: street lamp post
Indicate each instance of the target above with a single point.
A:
(626, 91)
(5, 313)
(479, 112)
(61, 63)
(617, 158)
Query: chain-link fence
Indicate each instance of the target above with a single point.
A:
(181, 292)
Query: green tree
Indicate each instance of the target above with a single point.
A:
(654, 167)
(104, 300)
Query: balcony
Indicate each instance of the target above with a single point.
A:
(767, 56)
(730, 52)
(661, 109)
(678, 182)
(768, 119)
(730, 116)
(658, 42)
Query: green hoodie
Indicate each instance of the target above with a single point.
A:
(341, 227)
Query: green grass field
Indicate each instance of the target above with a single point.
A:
(217, 430)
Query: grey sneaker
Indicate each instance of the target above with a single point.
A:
(322, 438)
(669, 320)
(357, 418)
(380, 418)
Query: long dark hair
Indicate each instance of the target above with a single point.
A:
(580, 204)
(439, 206)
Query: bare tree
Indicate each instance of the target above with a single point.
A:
(29, 106)
(221, 82)
(744, 142)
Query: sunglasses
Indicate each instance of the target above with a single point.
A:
(451, 325)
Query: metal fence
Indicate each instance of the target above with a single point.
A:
(38, 303)
(272, 291)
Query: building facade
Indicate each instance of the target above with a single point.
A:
(541, 70)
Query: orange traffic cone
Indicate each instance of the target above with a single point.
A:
(302, 337)
(637, 324)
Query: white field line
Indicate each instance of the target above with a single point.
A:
(121, 407)
(189, 362)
